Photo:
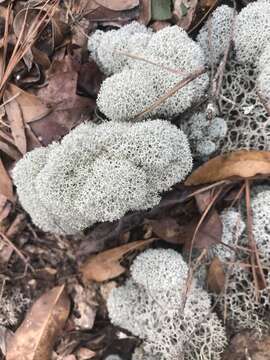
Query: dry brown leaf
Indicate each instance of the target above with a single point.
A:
(244, 164)
(69, 109)
(16, 121)
(184, 12)
(145, 12)
(118, 5)
(248, 346)
(106, 265)
(168, 229)
(6, 187)
(35, 338)
(32, 108)
(216, 276)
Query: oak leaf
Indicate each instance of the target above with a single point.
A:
(106, 265)
(216, 276)
(35, 338)
(243, 164)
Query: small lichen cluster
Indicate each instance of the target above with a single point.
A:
(171, 55)
(152, 305)
(106, 47)
(245, 86)
(215, 35)
(12, 305)
(204, 135)
(252, 32)
(246, 305)
(99, 172)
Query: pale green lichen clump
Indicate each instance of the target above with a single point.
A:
(150, 305)
(99, 172)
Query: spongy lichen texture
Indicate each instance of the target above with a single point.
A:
(204, 135)
(247, 305)
(233, 227)
(264, 83)
(242, 109)
(215, 35)
(106, 47)
(99, 172)
(252, 32)
(126, 94)
(170, 328)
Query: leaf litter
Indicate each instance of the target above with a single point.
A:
(49, 86)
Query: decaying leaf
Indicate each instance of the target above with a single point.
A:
(184, 11)
(35, 338)
(118, 5)
(68, 108)
(248, 346)
(168, 229)
(6, 187)
(210, 231)
(216, 276)
(106, 265)
(161, 9)
(32, 108)
(16, 121)
(244, 164)
(145, 12)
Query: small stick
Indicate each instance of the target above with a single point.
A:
(141, 58)
(172, 91)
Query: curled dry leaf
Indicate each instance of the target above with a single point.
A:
(106, 265)
(216, 276)
(35, 338)
(243, 164)
(118, 5)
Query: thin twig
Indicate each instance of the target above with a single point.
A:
(18, 252)
(141, 58)
(217, 82)
(172, 91)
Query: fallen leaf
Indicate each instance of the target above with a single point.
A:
(16, 121)
(118, 5)
(90, 78)
(184, 11)
(85, 354)
(32, 108)
(248, 346)
(168, 229)
(216, 276)
(35, 337)
(68, 108)
(6, 187)
(161, 9)
(8, 147)
(210, 231)
(244, 164)
(106, 265)
(145, 12)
